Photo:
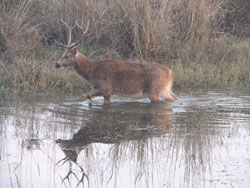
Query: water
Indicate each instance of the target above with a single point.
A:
(200, 140)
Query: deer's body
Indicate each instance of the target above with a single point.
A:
(115, 77)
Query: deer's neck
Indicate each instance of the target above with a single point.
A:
(84, 66)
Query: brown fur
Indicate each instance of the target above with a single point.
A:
(115, 77)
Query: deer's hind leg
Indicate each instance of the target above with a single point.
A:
(154, 98)
(167, 92)
(154, 94)
(162, 88)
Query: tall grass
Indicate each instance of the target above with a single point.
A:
(205, 42)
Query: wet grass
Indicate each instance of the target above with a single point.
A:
(208, 75)
(34, 72)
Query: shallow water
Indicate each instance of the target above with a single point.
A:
(200, 140)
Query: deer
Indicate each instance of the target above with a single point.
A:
(109, 77)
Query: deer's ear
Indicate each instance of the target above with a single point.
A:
(74, 51)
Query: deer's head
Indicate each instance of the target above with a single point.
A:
(69, 57)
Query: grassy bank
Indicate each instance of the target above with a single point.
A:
(206, 43)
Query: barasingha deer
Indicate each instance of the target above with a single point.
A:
(116, 77)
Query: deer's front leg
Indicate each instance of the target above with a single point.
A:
(95, 93)
(107, 99)
(105, 91)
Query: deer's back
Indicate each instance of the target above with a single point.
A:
(107, 68)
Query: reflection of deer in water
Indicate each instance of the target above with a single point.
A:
(135, 121)
(71, 156)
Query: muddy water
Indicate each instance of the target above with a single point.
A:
(200, 140)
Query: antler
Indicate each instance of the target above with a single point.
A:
(70, 31)
(67, 177)
(83, 31)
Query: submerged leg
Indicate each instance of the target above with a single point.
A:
(167, 92)
(154, 98)
(107, 99)
(95, 93)
(100, 90)
(174, 97)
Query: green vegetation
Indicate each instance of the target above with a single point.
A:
(206, 43)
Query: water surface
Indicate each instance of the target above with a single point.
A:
(200, 140)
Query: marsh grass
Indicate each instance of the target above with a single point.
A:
(206, 43)
(231, 69)
(34, 72)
